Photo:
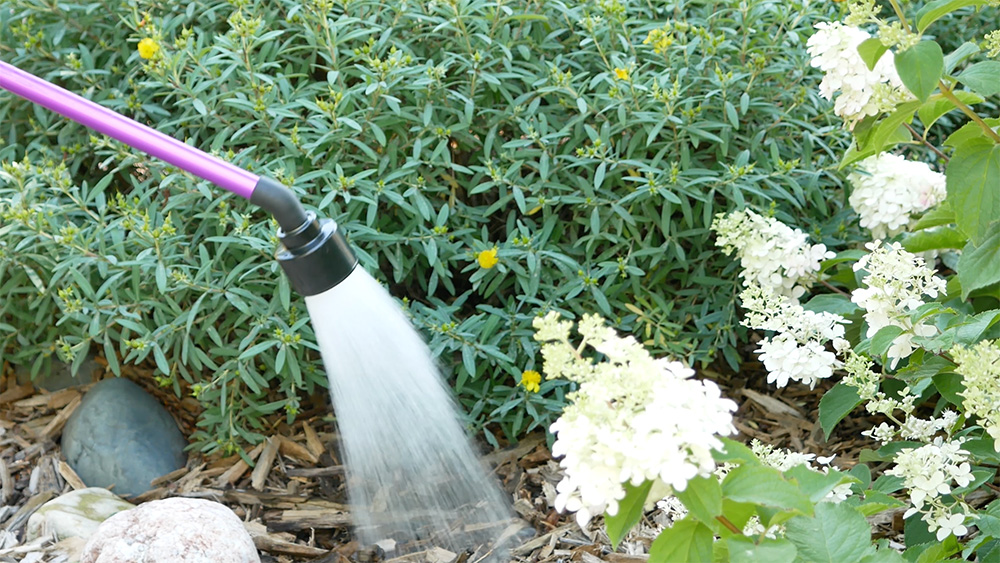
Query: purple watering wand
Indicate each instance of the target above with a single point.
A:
(314, 254)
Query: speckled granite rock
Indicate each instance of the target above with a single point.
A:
(75, 514)
(121, 436)
(173, 530)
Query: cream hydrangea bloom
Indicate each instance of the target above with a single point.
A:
(863, 92)
(889, 190)
(771, 253)
(894, 286)
(980, 369)
(633, 418)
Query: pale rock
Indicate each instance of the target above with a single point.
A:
(174, 530)
(75, 514)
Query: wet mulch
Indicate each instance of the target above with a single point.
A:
(292, 500)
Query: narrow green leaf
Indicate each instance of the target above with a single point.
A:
(765, 486)
(982, 78)
(964, 51)
(973, 183)
(687, 540)
(920, 67)
(629, 512)
(871, 50)
(744, 550)
(837, 403)
(936, 10)
(837, 533)
(703, 498)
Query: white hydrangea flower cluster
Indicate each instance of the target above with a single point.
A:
(863, 92)
(798, 351)
(930, 471)
(980, 369)
(888, 190)
(771, 253)
(633, 418)
(783, 460)
(894, 286)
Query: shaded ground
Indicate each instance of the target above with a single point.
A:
(293, 501)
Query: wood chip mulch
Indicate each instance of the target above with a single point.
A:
(292, 500)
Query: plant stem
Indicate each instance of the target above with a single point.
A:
(947, 93)
(899, 13)
(834, 289)
(924, 140)
(729, 525)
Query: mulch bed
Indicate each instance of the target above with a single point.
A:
(293, 500)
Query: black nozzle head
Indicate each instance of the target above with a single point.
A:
(315, 256)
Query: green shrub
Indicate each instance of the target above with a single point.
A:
(589, 143)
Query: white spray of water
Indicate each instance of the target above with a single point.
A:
(412, 475)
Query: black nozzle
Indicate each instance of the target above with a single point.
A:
(314, 253)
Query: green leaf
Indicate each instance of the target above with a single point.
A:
(934, 239)
(837, 403)
(968, 132)
(816, 485)
(938, 105)
(832, 303)
(979, 265)
(629, 512)
(949, 385)
(883, 339)
(973, 182)
(876, 502)
(735, 452)
(837, 533)
(964, 51)
(920, 68)
(943, 214)
(744, 550)
(887, 133)
(934, 11)
(982, 78)
(687, 540)
(871, 50)
(765, 486)
(703, 498)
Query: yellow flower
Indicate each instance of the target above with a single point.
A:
(621, 73)
(148, 47)
(487, 258)
(530, 379)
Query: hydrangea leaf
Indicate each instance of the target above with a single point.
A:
(920, 67)
(883, 339)
(744, 550)
(836, 534)
(687, 540)
(764, 486)
(942, 214)
(703, 498)
(982, 78)
(974, 187)
(936, 10)
(816, 484)
(871, 50)
(629, 511)
(977, 266)
(837, 403)
(934, 239)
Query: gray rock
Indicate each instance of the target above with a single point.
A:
(121, 436)
(173, 530)
(75, 514)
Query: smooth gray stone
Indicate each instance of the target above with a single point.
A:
(121, 436)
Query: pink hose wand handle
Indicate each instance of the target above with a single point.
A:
(315, 255)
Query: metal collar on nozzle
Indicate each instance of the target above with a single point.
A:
(314, 253)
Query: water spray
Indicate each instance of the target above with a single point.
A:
(412, 474)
